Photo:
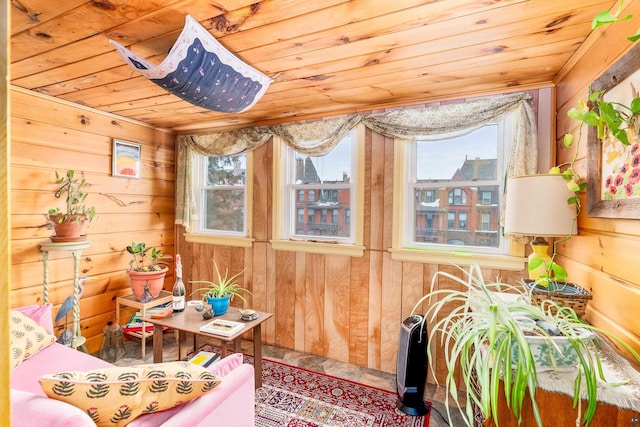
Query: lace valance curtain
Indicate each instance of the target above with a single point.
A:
(318, 137)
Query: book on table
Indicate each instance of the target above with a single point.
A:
(222, 327)
(204, 358)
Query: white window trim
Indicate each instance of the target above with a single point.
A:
(278, 242)
(213, 238)
(514, 261)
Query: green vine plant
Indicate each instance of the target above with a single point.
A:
(609, 117)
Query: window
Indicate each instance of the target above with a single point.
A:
(301, 216)
(462, 221)
(224, 196)
(485, 224)
(451, 220)
(442, 191)
(334, 186)
(429, 196)
(457, 196)
(485, 197)
(301, 195)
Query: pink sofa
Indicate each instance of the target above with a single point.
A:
(229, 404)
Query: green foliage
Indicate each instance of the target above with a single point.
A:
(555, 273)
(146, 258)
(73, 191)
(483, 343)
(224, 286)
(605, 18)
(608, 117)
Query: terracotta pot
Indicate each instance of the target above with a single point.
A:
(72, 228)
(155, 279)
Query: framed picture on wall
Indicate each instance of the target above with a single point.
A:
(613, 180)
(126, 159)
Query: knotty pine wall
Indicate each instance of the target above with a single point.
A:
(604, 256)
(344, 308)
(48, 135)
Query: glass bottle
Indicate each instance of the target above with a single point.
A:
(179, 290)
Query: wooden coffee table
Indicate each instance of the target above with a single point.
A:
(190, 320)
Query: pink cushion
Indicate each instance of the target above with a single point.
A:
(25, 377)
(30, 410)
(233, 400)
(40, 313)
(223, 366)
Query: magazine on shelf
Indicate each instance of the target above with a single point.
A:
(222, 327)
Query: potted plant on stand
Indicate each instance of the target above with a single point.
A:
(146, 269)
(219, 294)
(494, 336)
(68, 224)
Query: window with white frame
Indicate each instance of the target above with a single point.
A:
(333, 188)
(452, 190)
(222, 195)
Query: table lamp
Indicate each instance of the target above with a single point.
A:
(537, 206)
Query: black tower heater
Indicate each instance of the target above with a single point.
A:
(411, 368)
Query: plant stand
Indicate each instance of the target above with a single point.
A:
(130, 301)
(76, 249)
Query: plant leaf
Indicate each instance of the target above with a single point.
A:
(605, 17)
(634, 38)
(568, 140)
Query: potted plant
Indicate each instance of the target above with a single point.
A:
(68, 224)
(219, 294)
(485, 340)
(146, 269)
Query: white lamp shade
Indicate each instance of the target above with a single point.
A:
(537, 206)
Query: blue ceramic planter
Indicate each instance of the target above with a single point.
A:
(219, 305)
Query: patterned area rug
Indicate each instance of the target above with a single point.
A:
(295, 397)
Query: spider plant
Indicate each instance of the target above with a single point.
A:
(224, 286)
(483, 338)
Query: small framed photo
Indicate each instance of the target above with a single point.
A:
(126, 159)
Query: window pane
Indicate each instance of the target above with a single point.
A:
(326, 222)
(328, 183)
(226, 170)
(456, 190)
(453, 159)
(222, 186)
(334, 167)
(224, 210)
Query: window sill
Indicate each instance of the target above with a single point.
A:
(318, 247)
(461, 258)
(240, 242)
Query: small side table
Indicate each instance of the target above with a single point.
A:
(130, 301)
(76, 249)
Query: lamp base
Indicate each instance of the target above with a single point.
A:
(540, 248)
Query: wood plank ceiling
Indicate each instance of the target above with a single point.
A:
(327, 57)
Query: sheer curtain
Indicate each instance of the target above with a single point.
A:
(317, 138)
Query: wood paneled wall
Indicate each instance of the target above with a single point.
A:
(603, 258)
(344, 308)
(48, 136)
